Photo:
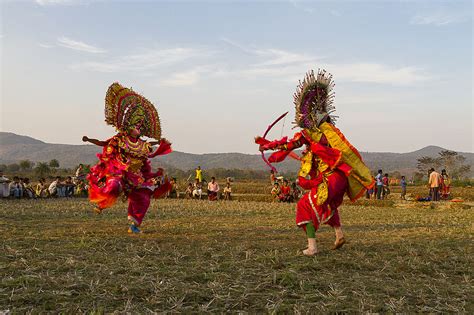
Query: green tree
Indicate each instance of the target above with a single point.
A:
(13, 167)
(453, 162)
(26, 165)
(42, 169)
(425, 163)
(54, 165)
(418, 177)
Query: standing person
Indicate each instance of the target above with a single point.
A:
(16, 188)
(403, 185)
(273, 178)
(379, 184)
(124, 167)
(330, 165)
(4, 186)
(212, 189)
(445, 185)
(80, 173)
(386, 186)
(434, 182)
(227, 191)
(199, 174)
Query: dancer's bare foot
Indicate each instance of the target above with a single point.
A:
(310, 251)
(97, 210)
(312, 248)
(338, 243)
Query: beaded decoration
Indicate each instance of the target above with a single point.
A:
(313, 100)
(125, 109)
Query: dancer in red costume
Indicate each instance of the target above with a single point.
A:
(330, 165)
(124, 167)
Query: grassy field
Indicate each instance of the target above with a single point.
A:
(197, 256)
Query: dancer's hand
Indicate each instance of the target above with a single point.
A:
(164, 140)
(85, 139)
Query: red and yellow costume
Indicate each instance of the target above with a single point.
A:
(124, 167)
(330, 165)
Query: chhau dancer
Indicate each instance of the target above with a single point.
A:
(124, 166)
(330, 165)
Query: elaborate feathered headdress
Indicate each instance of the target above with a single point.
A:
(125, 109)
(313, 100)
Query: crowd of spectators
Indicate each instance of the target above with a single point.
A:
(59, 187)
(200, 188)
(282, 191)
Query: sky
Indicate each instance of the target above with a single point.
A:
(219, 72)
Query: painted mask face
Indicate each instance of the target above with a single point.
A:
(134, 132)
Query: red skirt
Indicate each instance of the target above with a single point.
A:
(308, 211)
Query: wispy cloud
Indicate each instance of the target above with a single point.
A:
(290, 66)
(147, 60)
(378, 73)
(278, 57)
(353, 72)
(185, 78)
(45, 45)
(272, 56)
(57, 2)
(78, 45)
(439, 18)
(302, 5)
(335, 13)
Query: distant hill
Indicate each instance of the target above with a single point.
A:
(14, 148)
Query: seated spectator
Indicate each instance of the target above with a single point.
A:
(82, 189)
(276, 192)
(4, 186)
(16, 188)
(28, 190)
(69, 187)
(212, 189)
(41, 189)
(189, 191)
(227, 191)
(197, 189)
(174, 192)
(285, 192)
(296, 192)
(53, 188)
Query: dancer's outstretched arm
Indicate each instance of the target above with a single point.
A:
(283, 144)
(95, 141)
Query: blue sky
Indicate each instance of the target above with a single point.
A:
(220, 72)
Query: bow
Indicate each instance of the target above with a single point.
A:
(264, 137)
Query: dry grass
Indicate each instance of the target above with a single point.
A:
(198, 256)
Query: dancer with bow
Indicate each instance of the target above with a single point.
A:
(124, 167)
(330, 165)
